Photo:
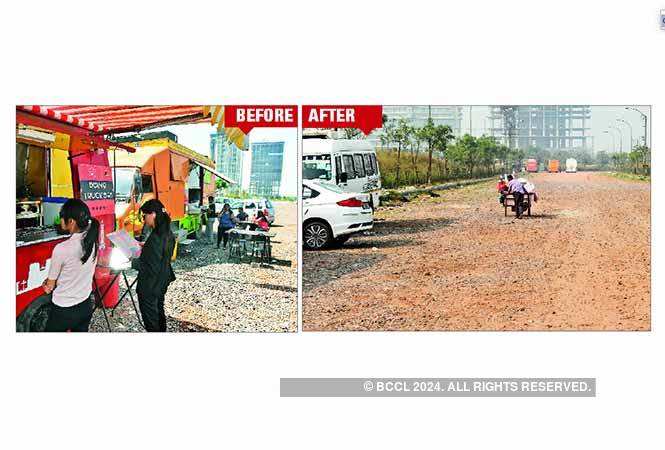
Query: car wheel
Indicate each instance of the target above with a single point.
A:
(34, 317)
(316, 235)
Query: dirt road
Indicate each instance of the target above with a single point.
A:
(454, 262)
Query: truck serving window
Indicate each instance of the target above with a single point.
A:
(146, 183)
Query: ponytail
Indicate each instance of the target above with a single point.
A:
(78, 211)
(90, 240)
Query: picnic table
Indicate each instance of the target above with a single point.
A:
(509, 202)
(254, 245)
(246, 224)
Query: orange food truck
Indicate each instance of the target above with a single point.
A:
(62, 152)
(553, 166)
(161, 168)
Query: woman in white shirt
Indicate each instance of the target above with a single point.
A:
(72, 269)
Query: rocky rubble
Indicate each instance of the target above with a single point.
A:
(212, 293)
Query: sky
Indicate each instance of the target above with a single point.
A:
(197, 137)
(601, 118)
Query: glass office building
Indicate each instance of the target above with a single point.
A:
(228, 159)
(266, 173)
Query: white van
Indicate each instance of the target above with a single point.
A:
(351, 164)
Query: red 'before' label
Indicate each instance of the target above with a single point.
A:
(247, 117)
(364, 117)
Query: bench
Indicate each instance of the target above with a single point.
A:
(509, 202)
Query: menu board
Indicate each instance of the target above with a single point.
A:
(96, 188)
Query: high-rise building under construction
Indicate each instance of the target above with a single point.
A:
(561, 127)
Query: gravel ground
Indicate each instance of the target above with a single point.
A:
(454, 262)
(212, 294)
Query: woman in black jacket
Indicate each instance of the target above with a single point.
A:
(154, 266)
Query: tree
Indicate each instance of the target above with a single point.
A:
(487, 152)
(353, 133)
(437, 138)
(402, 138)
(465, 152)
(602, 158)
(418, 138)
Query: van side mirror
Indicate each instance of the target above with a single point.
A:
(343, 177)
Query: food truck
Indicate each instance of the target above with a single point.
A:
(62, 152)
(161, 168)
(531, 165)
(553, 166)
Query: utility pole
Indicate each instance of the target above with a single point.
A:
(644, 118)
(620, 138)
(630, 127)
(614, 143)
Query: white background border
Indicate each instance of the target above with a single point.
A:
(207, 390)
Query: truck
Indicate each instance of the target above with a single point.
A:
(161, 168)
(553, 166)
(571, 165)
(531, 165)
(55, 161)
(63, 152)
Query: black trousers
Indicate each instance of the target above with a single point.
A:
(152, 311)
(519, 198)
(71, 318)
(222, 234)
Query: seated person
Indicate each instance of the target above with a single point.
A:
(516, 188)
(502, 188)
(242, 215)
(261, 222)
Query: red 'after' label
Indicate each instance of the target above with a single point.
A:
(364, 117)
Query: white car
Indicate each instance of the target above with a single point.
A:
(331, 215)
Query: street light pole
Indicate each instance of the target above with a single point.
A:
(614, 143)
(620, 138)
(630, 127)
(644, 117)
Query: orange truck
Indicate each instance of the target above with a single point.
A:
(553, 166)
(161, 168)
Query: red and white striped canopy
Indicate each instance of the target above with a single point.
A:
(109, 119)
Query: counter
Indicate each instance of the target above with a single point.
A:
(32, 236)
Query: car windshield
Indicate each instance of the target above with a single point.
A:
(317, 168)
(123, 182)
(330, 187)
